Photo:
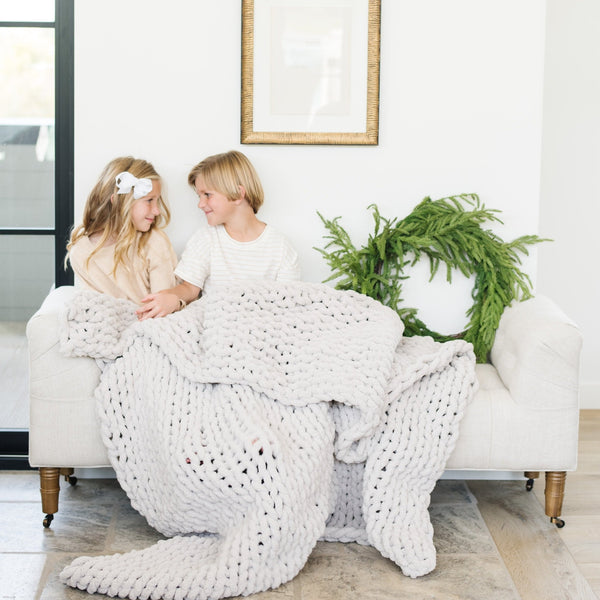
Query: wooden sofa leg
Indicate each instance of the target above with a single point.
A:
(49, 488)
(531, 475)
(554, 494)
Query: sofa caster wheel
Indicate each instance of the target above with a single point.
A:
(47, 520)
(72, 480)
(558, 522)
(529, 484)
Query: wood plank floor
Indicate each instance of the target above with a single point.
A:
(521, 544)
(581, 509)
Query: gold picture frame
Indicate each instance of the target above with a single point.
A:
(310, 72)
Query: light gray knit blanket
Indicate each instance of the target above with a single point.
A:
(260, 419)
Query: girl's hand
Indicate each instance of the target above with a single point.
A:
(160, 304)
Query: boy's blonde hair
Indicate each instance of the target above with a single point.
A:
(224, 173)
(109, 212)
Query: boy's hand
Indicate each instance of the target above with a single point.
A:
(160, 304)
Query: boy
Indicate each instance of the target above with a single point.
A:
(236, 246)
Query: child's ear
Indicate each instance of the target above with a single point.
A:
(242, 192)
(112, 198)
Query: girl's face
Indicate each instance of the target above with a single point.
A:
(216, 206)
(146, 209)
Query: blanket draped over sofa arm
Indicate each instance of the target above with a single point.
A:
(260, 419)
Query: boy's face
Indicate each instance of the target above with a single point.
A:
(217, 207)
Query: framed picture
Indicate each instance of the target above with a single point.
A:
(310, 71)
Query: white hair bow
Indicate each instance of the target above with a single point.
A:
(126, 181)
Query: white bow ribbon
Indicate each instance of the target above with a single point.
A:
(126, 181)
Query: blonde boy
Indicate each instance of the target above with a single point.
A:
(236, 245)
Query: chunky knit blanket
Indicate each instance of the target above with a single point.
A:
(259, 420)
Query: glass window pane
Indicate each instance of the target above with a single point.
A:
(27, 274)
(27, 72)
(14, 374)
(27, 10)
(27, 127)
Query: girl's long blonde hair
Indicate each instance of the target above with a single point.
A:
(108, 212)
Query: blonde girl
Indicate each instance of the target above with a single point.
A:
(119, 248)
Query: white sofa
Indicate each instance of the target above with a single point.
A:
(524, 417)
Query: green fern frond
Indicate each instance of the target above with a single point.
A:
(449, 231)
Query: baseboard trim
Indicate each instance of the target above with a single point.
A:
(14, 450)
(15, 463)
(488, 475)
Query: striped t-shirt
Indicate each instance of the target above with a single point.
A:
(213, 257)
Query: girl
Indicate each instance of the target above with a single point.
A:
(119, 249)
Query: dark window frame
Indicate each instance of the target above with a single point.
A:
(63, 25)
(64, 136)
(14, 443)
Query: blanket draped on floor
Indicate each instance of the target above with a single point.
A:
(260, 419)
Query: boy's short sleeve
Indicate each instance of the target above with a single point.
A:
(194, 266)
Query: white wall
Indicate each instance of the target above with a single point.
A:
(460, 111)
(570, 190)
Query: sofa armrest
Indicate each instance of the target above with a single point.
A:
(56, 300)
(63, 426)
(537, 354)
